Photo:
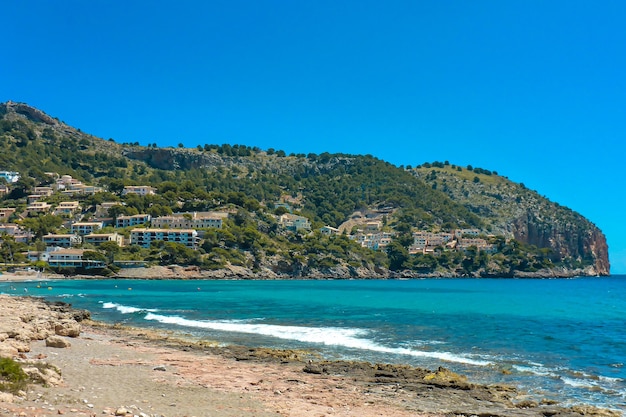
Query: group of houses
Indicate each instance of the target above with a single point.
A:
(64, 249)
(424, 242)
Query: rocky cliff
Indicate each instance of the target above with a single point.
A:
(512, 210)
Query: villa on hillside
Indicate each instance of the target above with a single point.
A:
(17, 232)
(6, 213)
(39, 207)
(375, 241)
(294, 223)
(329, 231)
(43, 191)
(10, 176)
(66, 208)
(139, 189)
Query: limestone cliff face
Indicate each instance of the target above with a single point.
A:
(579, 241)
(170, 159)
(512, 210)
(31, 113)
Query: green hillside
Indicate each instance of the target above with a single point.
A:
(524, 232)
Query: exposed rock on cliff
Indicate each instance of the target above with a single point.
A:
(514, 211)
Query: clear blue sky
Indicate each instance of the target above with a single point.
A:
(533, 89)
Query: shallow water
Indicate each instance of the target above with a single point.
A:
(562, 339)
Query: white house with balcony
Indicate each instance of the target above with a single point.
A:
(144, 237)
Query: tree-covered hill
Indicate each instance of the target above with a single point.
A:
(526, 233)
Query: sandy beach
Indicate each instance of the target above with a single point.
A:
(108, 370)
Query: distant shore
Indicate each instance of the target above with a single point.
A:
(238, 272)
(114, 370)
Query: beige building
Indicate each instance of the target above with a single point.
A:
(39, 207)
(66, 208)
(98, 239)
(5, 214)
(193, 220)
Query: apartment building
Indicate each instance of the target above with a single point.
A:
(85, 228)
(61, 240)
(144, 237)
(192, 220)
(134, 220)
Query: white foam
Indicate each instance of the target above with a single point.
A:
(578, 383)
(126, 309)
(331, 336)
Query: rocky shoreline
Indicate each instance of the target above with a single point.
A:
(76, 366)
(340, 272)
(238, 272)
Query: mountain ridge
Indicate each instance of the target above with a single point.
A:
(331, 188)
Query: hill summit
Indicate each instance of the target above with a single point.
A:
(278, 215)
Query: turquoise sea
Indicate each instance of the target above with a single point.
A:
(563, 339)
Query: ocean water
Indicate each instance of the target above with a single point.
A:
(563, 339)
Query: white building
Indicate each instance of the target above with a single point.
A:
(294, 223)
(10, 176)
(329, 231)
(193, 220)
(138, 189)
(144, 237)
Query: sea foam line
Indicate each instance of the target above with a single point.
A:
(126, 309)
(330, 336)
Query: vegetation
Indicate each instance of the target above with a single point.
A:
(12, 378)
(256, 187)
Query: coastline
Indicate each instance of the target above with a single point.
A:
(110, 369)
